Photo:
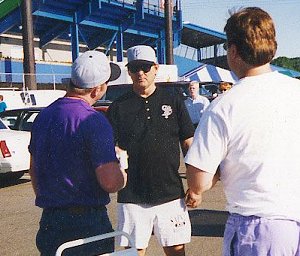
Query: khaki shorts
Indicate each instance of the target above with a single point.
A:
(169, 222)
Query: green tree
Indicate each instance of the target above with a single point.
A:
(290, 63)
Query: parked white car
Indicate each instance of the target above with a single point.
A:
(14, 154)
(16, 99)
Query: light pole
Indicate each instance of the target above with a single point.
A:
(169, 31)
(28, 45)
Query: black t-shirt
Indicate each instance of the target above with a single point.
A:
(150, 129)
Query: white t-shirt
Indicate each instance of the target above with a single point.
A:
(196, 107)
(253, 133)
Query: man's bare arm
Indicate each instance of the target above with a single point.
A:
(198, 182)
(110, 177)
(185, 145)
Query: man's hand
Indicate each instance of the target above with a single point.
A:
(122, 157)
(192, 199)
(198, 182)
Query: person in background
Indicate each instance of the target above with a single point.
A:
(196, 103)
(224, 86)
(3, 105)
(73, 162)
(150, 123)
(253, 141)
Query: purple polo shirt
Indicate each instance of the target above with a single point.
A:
(69, 140)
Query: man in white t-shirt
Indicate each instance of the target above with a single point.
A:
(196, 103)
(249, 139)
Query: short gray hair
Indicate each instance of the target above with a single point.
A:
(80, 91)
(194, 82)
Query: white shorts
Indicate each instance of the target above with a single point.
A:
(170, 223)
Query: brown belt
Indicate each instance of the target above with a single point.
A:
(76, 209)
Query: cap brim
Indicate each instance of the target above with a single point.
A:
(115, 72)
(140, 62)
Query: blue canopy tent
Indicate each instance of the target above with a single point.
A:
(286, 71)
(209, 73)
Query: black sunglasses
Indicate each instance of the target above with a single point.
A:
(136, 68)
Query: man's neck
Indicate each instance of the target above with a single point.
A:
(79, 97)
(255, 71)
(144, 92)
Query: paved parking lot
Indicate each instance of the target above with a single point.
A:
(19, 222)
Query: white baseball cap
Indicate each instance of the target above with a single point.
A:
(92, 68)
(141, 53)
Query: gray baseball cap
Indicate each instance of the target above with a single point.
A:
(92, 68)
(141, 53)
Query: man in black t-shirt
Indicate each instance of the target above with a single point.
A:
(150, 123)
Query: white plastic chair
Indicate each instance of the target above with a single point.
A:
(126, 252)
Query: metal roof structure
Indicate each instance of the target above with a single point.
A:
(207, 44)
(95, 23)
(198, 37)
(110, 24)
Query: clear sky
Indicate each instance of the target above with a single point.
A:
(213, 14)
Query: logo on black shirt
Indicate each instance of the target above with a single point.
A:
(167, 111)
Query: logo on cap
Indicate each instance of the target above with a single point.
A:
(137, 52)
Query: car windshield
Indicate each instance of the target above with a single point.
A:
(115, 91)
(2, 125)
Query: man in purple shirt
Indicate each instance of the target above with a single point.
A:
(73, 162)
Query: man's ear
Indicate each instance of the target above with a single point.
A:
(99, 91)
(233, 50)
(156, 66)
(234, 53)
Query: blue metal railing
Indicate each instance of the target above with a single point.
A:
(152, 6)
